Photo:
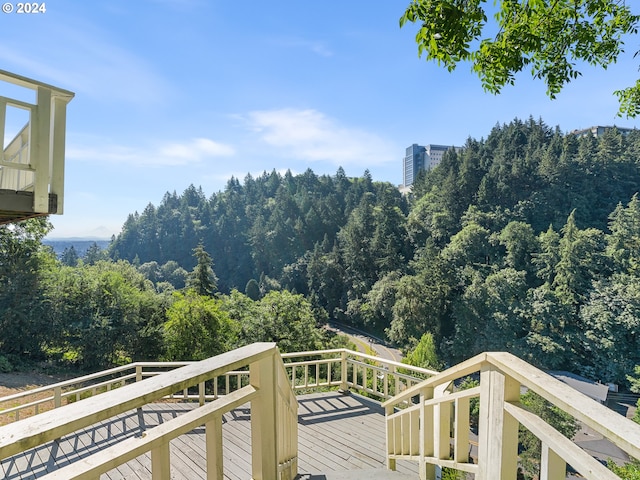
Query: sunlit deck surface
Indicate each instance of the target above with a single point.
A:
(336, 433)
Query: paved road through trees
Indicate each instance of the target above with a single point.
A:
(363, 339)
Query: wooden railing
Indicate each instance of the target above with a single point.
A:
(346, 369)
(273, 415)
(33, 160)
(226, 385)
(430, 423)
(16, 172)
(428, 420)
(338, 368)
(38, 400)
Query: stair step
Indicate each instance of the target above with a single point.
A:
(373, 474)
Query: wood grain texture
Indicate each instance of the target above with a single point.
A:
(337, 433)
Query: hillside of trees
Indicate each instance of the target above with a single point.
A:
(527, 241)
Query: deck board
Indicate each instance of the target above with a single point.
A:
(336, 432)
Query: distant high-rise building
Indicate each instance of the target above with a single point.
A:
(599, 130)
(418, 158)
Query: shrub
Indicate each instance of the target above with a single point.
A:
(5, 365)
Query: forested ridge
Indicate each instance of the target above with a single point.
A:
(526, 241)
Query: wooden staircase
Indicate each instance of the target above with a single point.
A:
(237, 422)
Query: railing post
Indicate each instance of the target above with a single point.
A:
(498, 431)
(391, 437)
(287, 422)
(138, 373)
(3, 119)
(59, 135)
(213, 434)
(57, 397)
(441, 424)
(161, 462)
(344, 387)
(461, 426)
(426, 470)
(40, 149)
(201, 393)
(552, 466)
(385, 385)
(264, 463)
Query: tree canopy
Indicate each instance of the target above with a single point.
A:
(527, 241)
(552, 38)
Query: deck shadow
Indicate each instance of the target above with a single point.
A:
(335, 407)
(335, 434)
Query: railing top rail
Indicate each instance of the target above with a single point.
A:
(569, 451)
(34, 84)
(34, 431)
(161, 364)
(16, 103)
(67, 383)
(462, 369)
(614, 426)
(311, 353)
(373, 358)
(175, 364)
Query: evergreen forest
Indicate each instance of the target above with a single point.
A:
(527, 241)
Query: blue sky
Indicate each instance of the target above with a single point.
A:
(177, 92)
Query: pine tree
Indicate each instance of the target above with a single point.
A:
(69, 256)
(202, 279)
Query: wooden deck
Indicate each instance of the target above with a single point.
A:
(336, 433)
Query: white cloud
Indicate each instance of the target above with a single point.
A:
(196, 149)
(311, 135)
(171, 154)
(319, 48)
(316, 46)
